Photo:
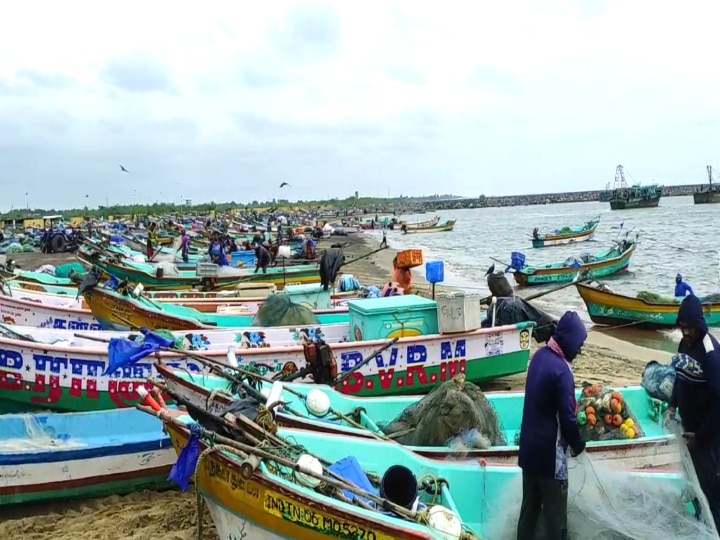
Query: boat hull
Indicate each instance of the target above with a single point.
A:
(93, 471)
(28, 310)
(706, 197)
(64, 378)
(612, 309)
(649, 452)
(633, 204)
(445, 227)
(562, 240)
(276, 276)
(244, 508)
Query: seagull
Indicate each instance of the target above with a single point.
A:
(284, 184)
(123, 169)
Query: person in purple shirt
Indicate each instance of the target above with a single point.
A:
(184, 248)
(549, 427)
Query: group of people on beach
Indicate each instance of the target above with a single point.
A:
(550, 431)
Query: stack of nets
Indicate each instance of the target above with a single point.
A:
(604, 415)
(655, 298)
(279, 310)
(455, 414)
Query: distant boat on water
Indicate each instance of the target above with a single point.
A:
(708, 194)
(624, 197)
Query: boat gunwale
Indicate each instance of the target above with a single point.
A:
(100, 351)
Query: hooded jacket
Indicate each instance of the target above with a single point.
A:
(696, 392)
(549, 422)
(682, 289)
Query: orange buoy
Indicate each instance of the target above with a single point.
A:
(148, 400)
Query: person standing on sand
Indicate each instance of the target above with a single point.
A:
(151, 240)
(549, 426)
(696, 395)
(384, 240)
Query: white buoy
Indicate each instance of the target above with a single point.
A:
(232, 357)
(138, 290)
(275, 395)
(445, 521)
(317, 403)
(308, 464)
(265, 393)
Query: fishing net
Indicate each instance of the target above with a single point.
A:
(711, 299)
(280, 310)
(613, 504)
(655, 298)
(36, 437)
(455, 414)
(604, 415)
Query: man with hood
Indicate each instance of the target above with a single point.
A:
(696, 396)
(549, 426)
(682, 289)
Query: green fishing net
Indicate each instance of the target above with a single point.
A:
(655, 298)
(280, 310)
(455, 414)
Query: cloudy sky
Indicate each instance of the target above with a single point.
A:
(223, 101)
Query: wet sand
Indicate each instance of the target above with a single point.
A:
(171, 515)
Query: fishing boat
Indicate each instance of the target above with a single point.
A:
(245, 300)
(114, 310)
(626, 197)
(363, 416)
(602, 264)
(448, 226)
(566, 235)
(708, 194)
(42, 310)
(48, 456)
(614, 309)
(172, 276)
(421, 224)
(256, 498)
(406, 352)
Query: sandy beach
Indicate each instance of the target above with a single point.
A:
(171, 515)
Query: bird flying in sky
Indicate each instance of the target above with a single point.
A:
(284, 184)
(123, 169)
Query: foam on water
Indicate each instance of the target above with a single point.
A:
(38, 439)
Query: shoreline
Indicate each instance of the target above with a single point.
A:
(605, 359)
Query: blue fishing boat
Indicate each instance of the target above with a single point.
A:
(47, 456)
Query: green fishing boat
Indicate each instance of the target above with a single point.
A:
(172, 276)
(566, 235)
(602, 264)
(624, 197)
(308, 407)
(651, 311)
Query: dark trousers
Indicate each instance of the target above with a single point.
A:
(706, 461)
(544, 495)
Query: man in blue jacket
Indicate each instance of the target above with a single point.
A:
(549, 426)
(682, 289)
(696, 396)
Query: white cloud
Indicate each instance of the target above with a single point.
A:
(225, 100)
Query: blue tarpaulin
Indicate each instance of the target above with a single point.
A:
(122, 351)
(184, 467)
